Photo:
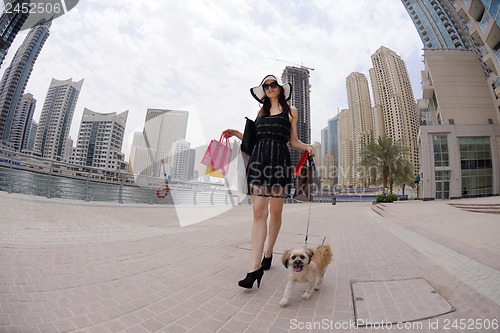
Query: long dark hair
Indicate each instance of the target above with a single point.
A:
(265, 110)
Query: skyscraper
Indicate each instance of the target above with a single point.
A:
(460, 107)
(100, 140)
(345, 152)
(32, 137)
(23, 118)
(482, 22)
(299, 78)
(435, 24)
(10, 24)
(463, 24)
(16, 77)
(330, 150)
(151, 151)
(179, 160)
(55, 120)
(395, 113)
(358, 98)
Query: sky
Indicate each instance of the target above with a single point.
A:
(203, 56)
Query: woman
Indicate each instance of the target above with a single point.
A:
(269, 169)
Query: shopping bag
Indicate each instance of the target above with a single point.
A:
(249, 137)
(304, 178)
(237, 173)
(212, 172)
(218, 155)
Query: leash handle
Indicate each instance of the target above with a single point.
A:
(299, 165)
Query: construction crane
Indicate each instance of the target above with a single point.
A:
(288, 62)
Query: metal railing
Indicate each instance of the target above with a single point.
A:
(16, 178)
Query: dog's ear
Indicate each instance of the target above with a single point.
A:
(309, 253)
(285, 257)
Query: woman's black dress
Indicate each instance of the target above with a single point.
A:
(269, 170)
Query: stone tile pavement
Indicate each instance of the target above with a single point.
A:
(68, 266)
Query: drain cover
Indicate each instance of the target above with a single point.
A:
(396, 301)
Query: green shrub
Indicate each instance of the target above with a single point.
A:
(391, 198)
(386, 198)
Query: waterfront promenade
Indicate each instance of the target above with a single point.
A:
(73, 266)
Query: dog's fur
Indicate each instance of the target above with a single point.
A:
(305, 265)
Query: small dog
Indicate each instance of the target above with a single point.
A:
(305, 265)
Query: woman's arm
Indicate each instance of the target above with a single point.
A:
(294, 141)
(232, 132)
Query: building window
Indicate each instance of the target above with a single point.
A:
(485, 21)
(476, 166)
(440, 145)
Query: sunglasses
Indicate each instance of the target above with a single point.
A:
(273, 85)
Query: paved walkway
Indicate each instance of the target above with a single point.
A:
(68, 266)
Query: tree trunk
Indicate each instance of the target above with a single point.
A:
(385, 178)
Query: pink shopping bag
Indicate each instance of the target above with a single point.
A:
(218, 154)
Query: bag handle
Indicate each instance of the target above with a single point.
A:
(224, 140)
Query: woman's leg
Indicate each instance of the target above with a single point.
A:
(259, 230)
(274, 224)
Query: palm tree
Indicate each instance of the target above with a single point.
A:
(403, 174)
(380, 159)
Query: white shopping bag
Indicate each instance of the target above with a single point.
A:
(236, 176)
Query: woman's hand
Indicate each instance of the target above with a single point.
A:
(310, 150)
(232, 132)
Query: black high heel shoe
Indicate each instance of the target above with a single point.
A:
(248, 281)
(266, 262)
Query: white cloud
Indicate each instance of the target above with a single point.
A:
(136, 55)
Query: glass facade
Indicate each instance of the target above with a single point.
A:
(442, 184)
(433, 24)
(440, 146)
(441, 159)
(485, 21)
(493, 8)
(476, 166)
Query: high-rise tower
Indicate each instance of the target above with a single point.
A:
(16, 77)
(21, 128)
(395, 112)
(100, 140)
(460, 106)
(345, 152)
(330, 153)
(151, 151)
(461, 137)
(179, 160)
(435, 24)
(10, 24)
(358, 98)
(460, 24)
(299, 78)
(55, 120)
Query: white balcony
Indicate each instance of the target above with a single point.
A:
(427, 89)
